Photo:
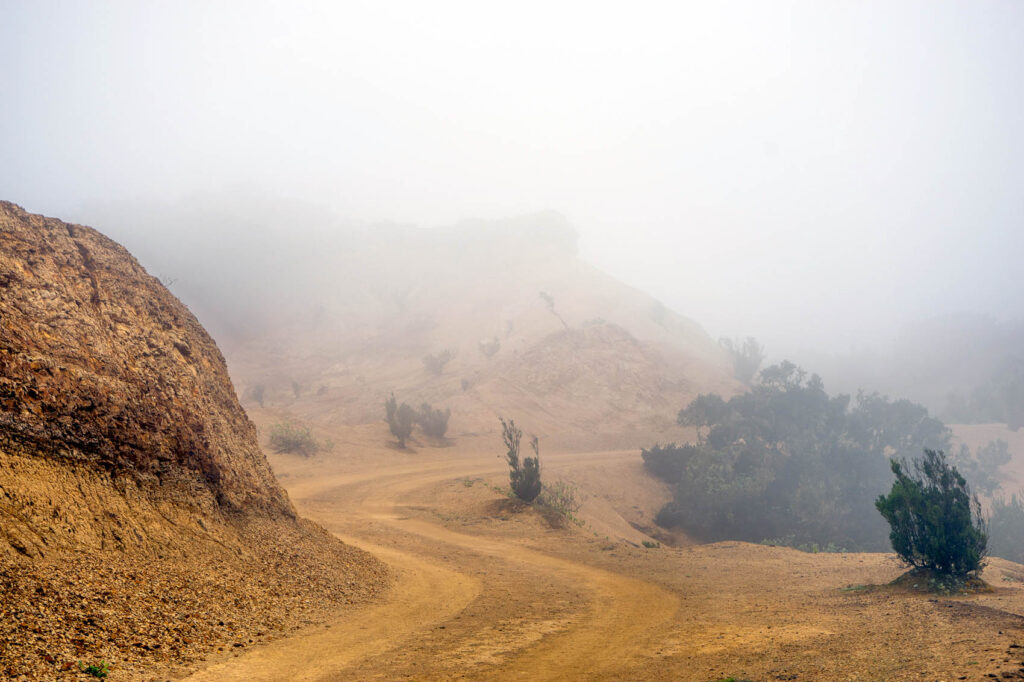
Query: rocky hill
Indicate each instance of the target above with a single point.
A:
(123, 445)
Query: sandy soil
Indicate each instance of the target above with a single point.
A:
(488, 588)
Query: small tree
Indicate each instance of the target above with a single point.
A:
(549, 302)
(434, 422)
(400, 419)
(523, 475)
(936, 523)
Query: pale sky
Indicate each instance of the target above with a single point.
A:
(813, 173)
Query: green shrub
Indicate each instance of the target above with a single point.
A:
(1006, 529)
(100, 670)
(524, 474)
(295, 438)
(936, 523)
(400, 419)
(434, 422)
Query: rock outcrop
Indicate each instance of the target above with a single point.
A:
(137, 511)
(106, 376)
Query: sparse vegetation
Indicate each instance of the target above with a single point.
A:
(936, 523)
(434, 422)
(549, 303)
(561, 498)
(651, 544)
(400, 419)
(746, 357)
(524, 473)
(787, 461)
(435, 362)
(294, 438)
(100, 670)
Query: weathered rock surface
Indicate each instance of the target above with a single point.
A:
(102, 365)
(124, 452)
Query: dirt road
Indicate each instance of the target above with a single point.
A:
(488, 589)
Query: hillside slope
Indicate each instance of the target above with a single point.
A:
(124, 453)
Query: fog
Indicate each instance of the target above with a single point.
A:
(819, 175)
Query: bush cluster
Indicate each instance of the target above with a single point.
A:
(401, 419)
(434, 422)
(785, 460)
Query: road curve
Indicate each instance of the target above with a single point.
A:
(622, 619)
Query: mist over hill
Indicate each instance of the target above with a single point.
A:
(340, 315)
(964, 368)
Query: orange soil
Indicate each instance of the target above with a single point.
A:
(488, 588)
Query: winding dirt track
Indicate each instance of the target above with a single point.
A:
(620, 619)
(485, 589)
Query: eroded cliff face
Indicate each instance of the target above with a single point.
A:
(116, 410)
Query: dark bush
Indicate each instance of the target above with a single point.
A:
(785, 460)
(400, 419)
(434, 422)
(936, 523)
(524, 474)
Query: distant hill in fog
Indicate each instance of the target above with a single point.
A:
(342, 315)
(950, 364)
